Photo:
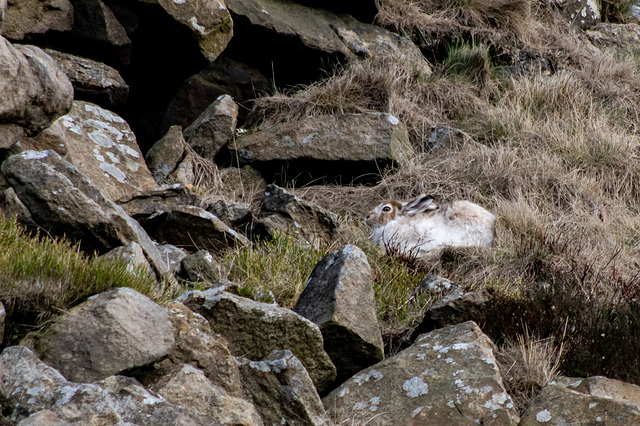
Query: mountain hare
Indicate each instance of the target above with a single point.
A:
(419, 226)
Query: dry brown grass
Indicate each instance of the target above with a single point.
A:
(527, 365)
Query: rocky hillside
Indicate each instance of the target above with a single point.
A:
(183, 190)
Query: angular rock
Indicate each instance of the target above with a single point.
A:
(103, 147)
(455, 308)
(339, 299)
(143, 204)
(27, 17)
(173, 256)
(197, 344)
(92, 81)
(282, 211)
(334, 148)
(585, 401)
(42, 396)
(112, 332)
(64, 202)
(34, 91)
(281, 390)
(214, 128)
(94, 20)
(200, 266)
(233, 214)
(448, 376)
(362, 10)
(53, 138)
(166, 155)
(11, 207)
(192, 228)
(270, 29)
(223, 77)
(132, 255)
(208, 23)
(254, 329)
(190, 388)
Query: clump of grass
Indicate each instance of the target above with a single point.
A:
(528, 364)
(41, 277)
(274, 271)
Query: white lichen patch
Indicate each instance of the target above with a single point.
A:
(365, 377)
(103, 113)
(34, 155)
(179, 1)
(70, 124)
(343, 392)
(100, 138)
(128, 150)
(421, 356)
(199, 28)
(113, 157)
(461, 346)
(415, 412)
(113, 171)
(593, 404)
(415, 387)
(374, 403)
(543, 416)
(450, 361)
(497, 401)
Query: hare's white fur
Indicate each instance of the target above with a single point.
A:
(419, 226)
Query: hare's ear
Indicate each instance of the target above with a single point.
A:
(419, 204)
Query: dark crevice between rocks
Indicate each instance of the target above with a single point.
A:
(308, 171)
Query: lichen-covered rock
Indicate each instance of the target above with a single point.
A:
(28, 17)
(241, 183)
(112, 332)
(11, 207)
(173, 256)
(41, 396)
(281, 390)
(339, 298)
(282, 211)
(103, 147)
(214, 128)
(92, 81)
(192, 228)
(254, 329)
(448, 376)
(34, 92)
(233, 214)
(190, 388)
(208, 22)
(593, 400)
(352, 145)
(64, 202)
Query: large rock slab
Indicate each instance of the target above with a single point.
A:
(92, 81)
(112, 332)
(94, 20)
(282, 211)
(348, 146)
(166, 156)
(26, 17)
(34, 91)
(64, 202)
(208, 23)
(339, 298)
(193, 228)
(144, 204)
(593, 400)
(255, 329)
(448, 376)
(281, 390)
(214, 128)
(103, 147)
(42, 396)
(269, 29)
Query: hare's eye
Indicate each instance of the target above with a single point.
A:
(386, 209)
